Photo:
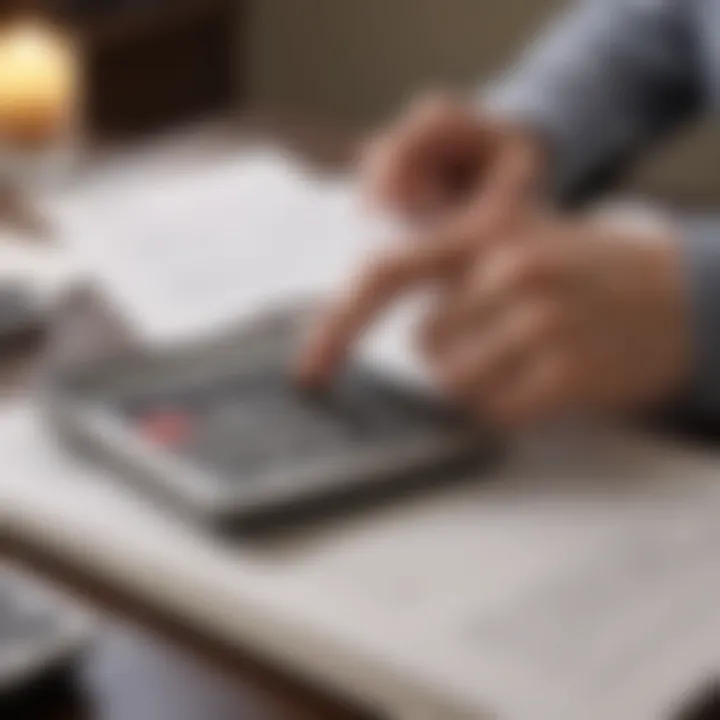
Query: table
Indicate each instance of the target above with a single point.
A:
(147, 667)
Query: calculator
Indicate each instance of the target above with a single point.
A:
(218, 427)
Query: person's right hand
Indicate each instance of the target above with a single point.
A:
(443, 155)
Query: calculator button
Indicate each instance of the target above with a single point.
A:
(168, 428)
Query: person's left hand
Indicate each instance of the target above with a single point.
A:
(562, 314)
(565, 315)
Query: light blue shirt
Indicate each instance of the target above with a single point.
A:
(607, 82)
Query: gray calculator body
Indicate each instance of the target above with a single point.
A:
(218, 428)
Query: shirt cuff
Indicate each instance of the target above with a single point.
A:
(579, 154)
(701, 266)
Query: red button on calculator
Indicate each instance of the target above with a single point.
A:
(169, 428)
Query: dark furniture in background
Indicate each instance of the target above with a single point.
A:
(150, 64)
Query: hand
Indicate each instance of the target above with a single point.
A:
(558, 315)
(443, 154)
(563, 315)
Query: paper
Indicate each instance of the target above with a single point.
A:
(183, 254)
(46, 272)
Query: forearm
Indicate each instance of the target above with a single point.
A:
(607, 80)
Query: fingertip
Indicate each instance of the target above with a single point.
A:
(312, 367)
(304, 372)
(310, 375)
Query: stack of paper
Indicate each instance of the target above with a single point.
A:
(184, 253)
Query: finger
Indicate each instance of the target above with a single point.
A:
(431, 332)
(475, 299)
(512, 180)
(454, 316)
(391, 179)
(373, 290)
(513, 340)
(520, 267)
(405, 168)
(545, 387)
(437, 328)
(393, 182)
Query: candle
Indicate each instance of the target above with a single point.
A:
(38, 85)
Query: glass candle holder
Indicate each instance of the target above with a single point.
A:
(39, 102)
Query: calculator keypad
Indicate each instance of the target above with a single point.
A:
(242, 426)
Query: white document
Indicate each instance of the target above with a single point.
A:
(181, 254)
(46, 271)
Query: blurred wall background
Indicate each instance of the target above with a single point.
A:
(356, 61)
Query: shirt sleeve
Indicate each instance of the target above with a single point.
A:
(602, 84)
(701, 259)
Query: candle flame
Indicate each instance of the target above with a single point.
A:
(38, 83)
